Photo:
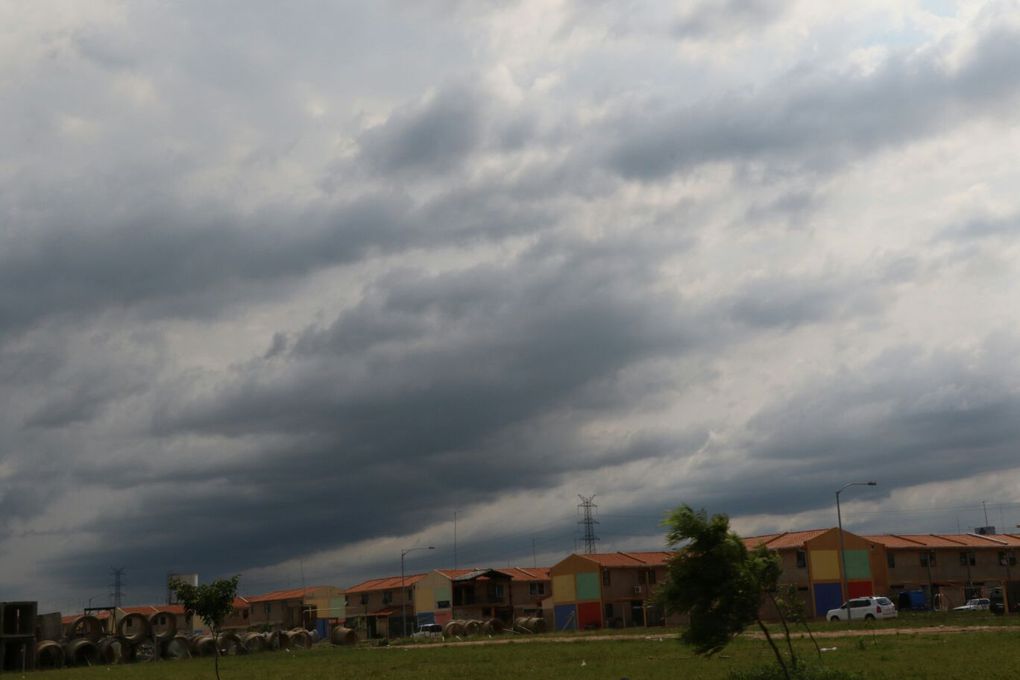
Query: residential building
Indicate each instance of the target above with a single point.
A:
(374, 607)
(607, 590)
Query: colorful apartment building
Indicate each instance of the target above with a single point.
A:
(607, 590)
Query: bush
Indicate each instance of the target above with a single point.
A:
(774, 672)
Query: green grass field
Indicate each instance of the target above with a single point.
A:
(927, 654)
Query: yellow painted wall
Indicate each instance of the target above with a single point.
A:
(423, 600)
(563, 588)
(824, 565)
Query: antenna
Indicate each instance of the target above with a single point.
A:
(587, 507)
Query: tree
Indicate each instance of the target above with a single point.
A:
(717, 582)
(212, 602)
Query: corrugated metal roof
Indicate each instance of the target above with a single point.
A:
(386, 583)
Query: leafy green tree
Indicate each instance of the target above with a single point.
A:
(715, 580)
(212, 602)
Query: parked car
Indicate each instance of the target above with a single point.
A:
(975, 605)
(863, 608)
(428, 631)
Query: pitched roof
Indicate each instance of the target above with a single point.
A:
(630, 559)
(291, 594)
(527, 573)
(786, 539)
(915, 541)
(385, 583)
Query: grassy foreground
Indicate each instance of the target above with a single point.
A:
(927, 654)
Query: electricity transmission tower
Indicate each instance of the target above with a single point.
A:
(117, 595)
(587, 508)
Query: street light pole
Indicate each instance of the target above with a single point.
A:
(403, 589)
(842, 549)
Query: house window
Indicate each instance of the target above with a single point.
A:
(1006, 558)
(890, 560)
(347, 600)
(536, 588)
(966, 558)
(801, 559)
(387, 596)
(498, 592)
(364, 598)
(651, 576)
(928, 559)
(443, 604)
(605, 577)
(609, 611)
(409, 595)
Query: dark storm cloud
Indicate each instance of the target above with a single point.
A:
(466, 381)
(787, 302)
(433, 136)
(817, 120)
(909, 417)
(711, 20)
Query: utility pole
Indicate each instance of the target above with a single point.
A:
(587, 508)
(117, 595)
(984, 506)
(454, 539)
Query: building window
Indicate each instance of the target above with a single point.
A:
(387, 596)
(1006, 558)
(890, 560)
(536, 588)
(801, 559)
(268, 608)
(364, 598)
(409, 595)
(651, 576)
(967, 558)
(605, 577)
(609, 611)
(498, 592)
(347, 600)
(443, 604)
(928, 559)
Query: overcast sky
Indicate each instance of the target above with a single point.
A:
(283, 289)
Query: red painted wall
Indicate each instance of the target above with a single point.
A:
(589, 614)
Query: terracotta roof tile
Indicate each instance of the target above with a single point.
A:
(386, 583)
(787, 539)
(915, 541)
(630, 559)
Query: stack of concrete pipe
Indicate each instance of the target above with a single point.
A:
(139, 638)
(529, 624)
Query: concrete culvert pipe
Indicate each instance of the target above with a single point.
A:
(253, 642)
(81, 652)
(298, 639)
(230, 644)
(454, 629)
(49, 654)
(114, 650)
(175, 649)
(314, 635)
(343, 636)
(493, 627)
(86, 626)
(204, 645)
(473, 627)
(134, 627)
(163, 625)
(537, 624)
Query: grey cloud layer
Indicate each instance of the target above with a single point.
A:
(532, 304)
